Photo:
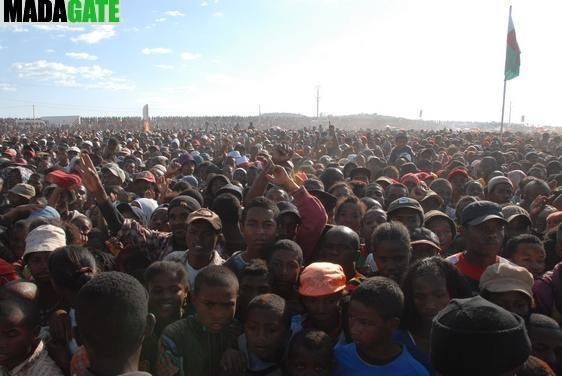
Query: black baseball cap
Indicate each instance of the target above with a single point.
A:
(479, 212)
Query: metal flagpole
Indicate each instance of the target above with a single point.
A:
(504, 80)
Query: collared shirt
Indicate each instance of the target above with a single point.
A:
(181, 257)
(38, 364)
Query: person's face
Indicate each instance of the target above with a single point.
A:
(475, 189)
(188, 168)
(445, 191)
(458, 181)
(17, 200)
(342, 191)
(322, 309)
(285, 268)
(159, 221)
(201, 238)
(81, 198)
(501, 194)
(84, 225)
(39, 266)
(178, 221)
(392, 259)
(531, 192)
(62, 157)
(409, 218)
(349, 215)
(401, 142)
(367, 327)
(17, 241)
(394, 193)
(371, 220)
(277, 195)
(130, 167)
(377, 194)
(487, 166)
(531, 257)
(430, 296)
(547, 345)
(266, 332)
(485, 239)
(142, 188)
(252, 286)
(259, 228)
(518, 225)
(17, 340)
(108, 178)
(166, 296)
(513, 301)
(338, 248)
(240, 176)
(304, 362)
(442, 229)
(215, 306)
(287, 226)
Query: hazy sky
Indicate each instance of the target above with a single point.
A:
(220, 57)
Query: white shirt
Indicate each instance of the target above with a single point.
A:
(181, 257)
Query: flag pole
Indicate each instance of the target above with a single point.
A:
(504, 79)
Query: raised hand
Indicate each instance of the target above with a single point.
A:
(90, 178)
(282, 153)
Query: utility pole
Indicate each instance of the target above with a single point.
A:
(259, 109)
(317, 101)
(33, 112)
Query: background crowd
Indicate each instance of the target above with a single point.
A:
(231, 249)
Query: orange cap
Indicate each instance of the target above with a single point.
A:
(321, 278)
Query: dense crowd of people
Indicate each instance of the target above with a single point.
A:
(233, 250)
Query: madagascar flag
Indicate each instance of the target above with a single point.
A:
(512, 54)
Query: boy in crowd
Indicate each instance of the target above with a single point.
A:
(546, 337)
(526, 250)
(509, 286)
(285, 262)
(310, 353)
(340, 245)
(266, 330)
(258, 224)
(202, 238)
(321, 286)
(113, 320)
(407, 211)
(22, 352)
(196, 344)
(254, 280)
(374, 314)
(482, 225)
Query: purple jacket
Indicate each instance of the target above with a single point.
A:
(547, 291)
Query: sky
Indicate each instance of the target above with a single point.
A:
(235, 57)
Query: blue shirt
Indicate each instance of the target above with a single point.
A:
(348, 362)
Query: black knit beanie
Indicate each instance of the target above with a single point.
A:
(189, 202)
(475, 337)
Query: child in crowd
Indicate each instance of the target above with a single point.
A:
(285, 262)
(444, 227)
(391, 250)
(70, 268)
(321, 286)
(349, 212)
(428, 286)
(22, 352)
(374, 314)
(113, 320)
(266, 331)
(254, 280)
(167, 286)
(196, 344)
(546, 337)
(509, 286)
(258, 225)
(202, 238)
(526, 250)
(340, 245)
(310, 353)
